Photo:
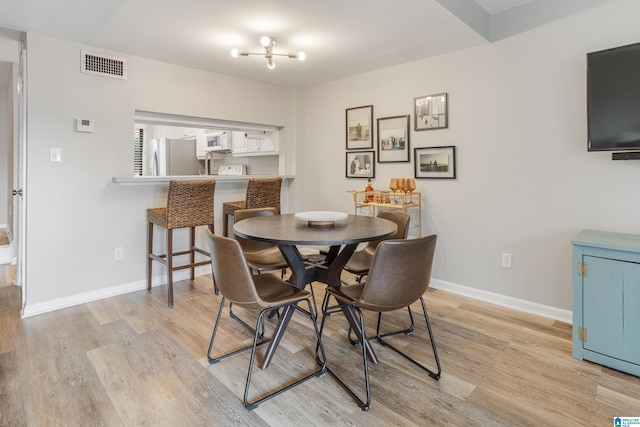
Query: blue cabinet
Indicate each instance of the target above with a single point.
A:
(606, 299)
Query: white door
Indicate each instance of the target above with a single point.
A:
(19, 178)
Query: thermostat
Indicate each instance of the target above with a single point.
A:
(84, 125)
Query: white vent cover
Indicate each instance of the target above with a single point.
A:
(103, 65)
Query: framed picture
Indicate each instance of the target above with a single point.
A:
(435, 162)
(360, 127)
(361, 164)
(430, 112)
(393, 139)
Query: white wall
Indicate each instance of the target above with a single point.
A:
(76, 215)
(526, 183)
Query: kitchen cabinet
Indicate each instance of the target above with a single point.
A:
(256, 144)
(606, 299)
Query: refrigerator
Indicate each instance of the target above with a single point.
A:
(170, 157)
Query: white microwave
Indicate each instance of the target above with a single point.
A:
(219, 140)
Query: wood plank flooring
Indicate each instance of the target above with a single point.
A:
(129, 360)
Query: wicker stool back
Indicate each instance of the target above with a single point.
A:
(261, 193)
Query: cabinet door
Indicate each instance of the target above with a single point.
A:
(238, 143)
(631, 319)
(602, 306)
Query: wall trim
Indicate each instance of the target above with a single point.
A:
(505, 301)
(490, 297)
(59, 303)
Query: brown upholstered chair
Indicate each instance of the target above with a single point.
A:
(261, 193)
(189, 204)
(264, 293)
(263, 256)
(360, 261)
(399, 276)
(260, 256)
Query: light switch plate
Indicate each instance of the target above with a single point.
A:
(56, 155)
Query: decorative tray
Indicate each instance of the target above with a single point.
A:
(321, 218)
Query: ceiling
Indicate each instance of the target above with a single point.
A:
(340, 38)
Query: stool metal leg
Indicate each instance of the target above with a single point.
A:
(149, 252)
(169, 255)
(192, 243)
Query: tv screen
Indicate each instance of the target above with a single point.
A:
(613, 99)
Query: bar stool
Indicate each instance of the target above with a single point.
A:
(189, 204)
(261, 193)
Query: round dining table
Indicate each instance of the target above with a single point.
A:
(289, 232)
(341, 236)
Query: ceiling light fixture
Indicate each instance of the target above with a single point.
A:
(268, 43)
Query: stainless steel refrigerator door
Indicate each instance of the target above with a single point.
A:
(181, 157)
(156, 164)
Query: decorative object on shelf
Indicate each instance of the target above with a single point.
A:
(393, 139)
(383, 200)
(361, 164)
(321, 218)
(430, 112)
(393, 186)
(435, 162)
(411, 187)
(406, 186)
(359, 127)
(369, 192)
(268, 43)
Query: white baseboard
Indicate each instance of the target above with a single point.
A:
(57, 304)
(502, 300)
(505, 301)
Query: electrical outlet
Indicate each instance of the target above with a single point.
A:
(506, 260)
(119, 253)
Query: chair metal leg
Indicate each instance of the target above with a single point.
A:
(249, 404)
(213, 360)
(434, 375)
(245, 324)
(323, 365)
(364, 404)
(314, 309)
(407, 331)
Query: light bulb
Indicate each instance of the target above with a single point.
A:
(301, 56)
(234, 53)
(270, 64)
(265, 41)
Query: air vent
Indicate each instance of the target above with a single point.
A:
(103, 65)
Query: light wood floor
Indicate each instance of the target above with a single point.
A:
(129, 360)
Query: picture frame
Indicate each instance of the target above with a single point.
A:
(435, 162)
(393, 139)
(360, 164)
(359, 127)
(431, 112)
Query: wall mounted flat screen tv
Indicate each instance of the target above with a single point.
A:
(613, 99)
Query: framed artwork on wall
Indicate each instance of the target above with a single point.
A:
(359, 127)
(430, 112)
(361, 164)
(435, 162)
(393, 139)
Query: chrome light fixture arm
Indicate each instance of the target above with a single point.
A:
(268, 43)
